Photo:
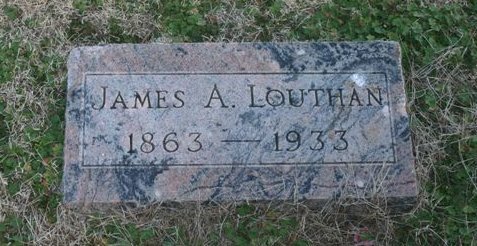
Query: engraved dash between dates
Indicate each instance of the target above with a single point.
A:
(241, 141)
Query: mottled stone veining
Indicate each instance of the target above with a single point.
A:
(234, 122)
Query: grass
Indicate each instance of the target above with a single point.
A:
(439, 41)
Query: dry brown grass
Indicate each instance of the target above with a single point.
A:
(238, 24)
(331, 224)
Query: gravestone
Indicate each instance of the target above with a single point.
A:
(235, 122)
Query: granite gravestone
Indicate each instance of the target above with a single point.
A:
(234, 122)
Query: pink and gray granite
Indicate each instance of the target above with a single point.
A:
(234, 122)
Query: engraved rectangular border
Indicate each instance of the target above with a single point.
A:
(218, 165)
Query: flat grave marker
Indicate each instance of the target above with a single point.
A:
(238, 121)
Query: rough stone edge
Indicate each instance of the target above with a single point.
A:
(405, 203)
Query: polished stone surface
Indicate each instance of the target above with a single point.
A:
(240, 121)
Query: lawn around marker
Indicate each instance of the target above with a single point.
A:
(438, 41)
